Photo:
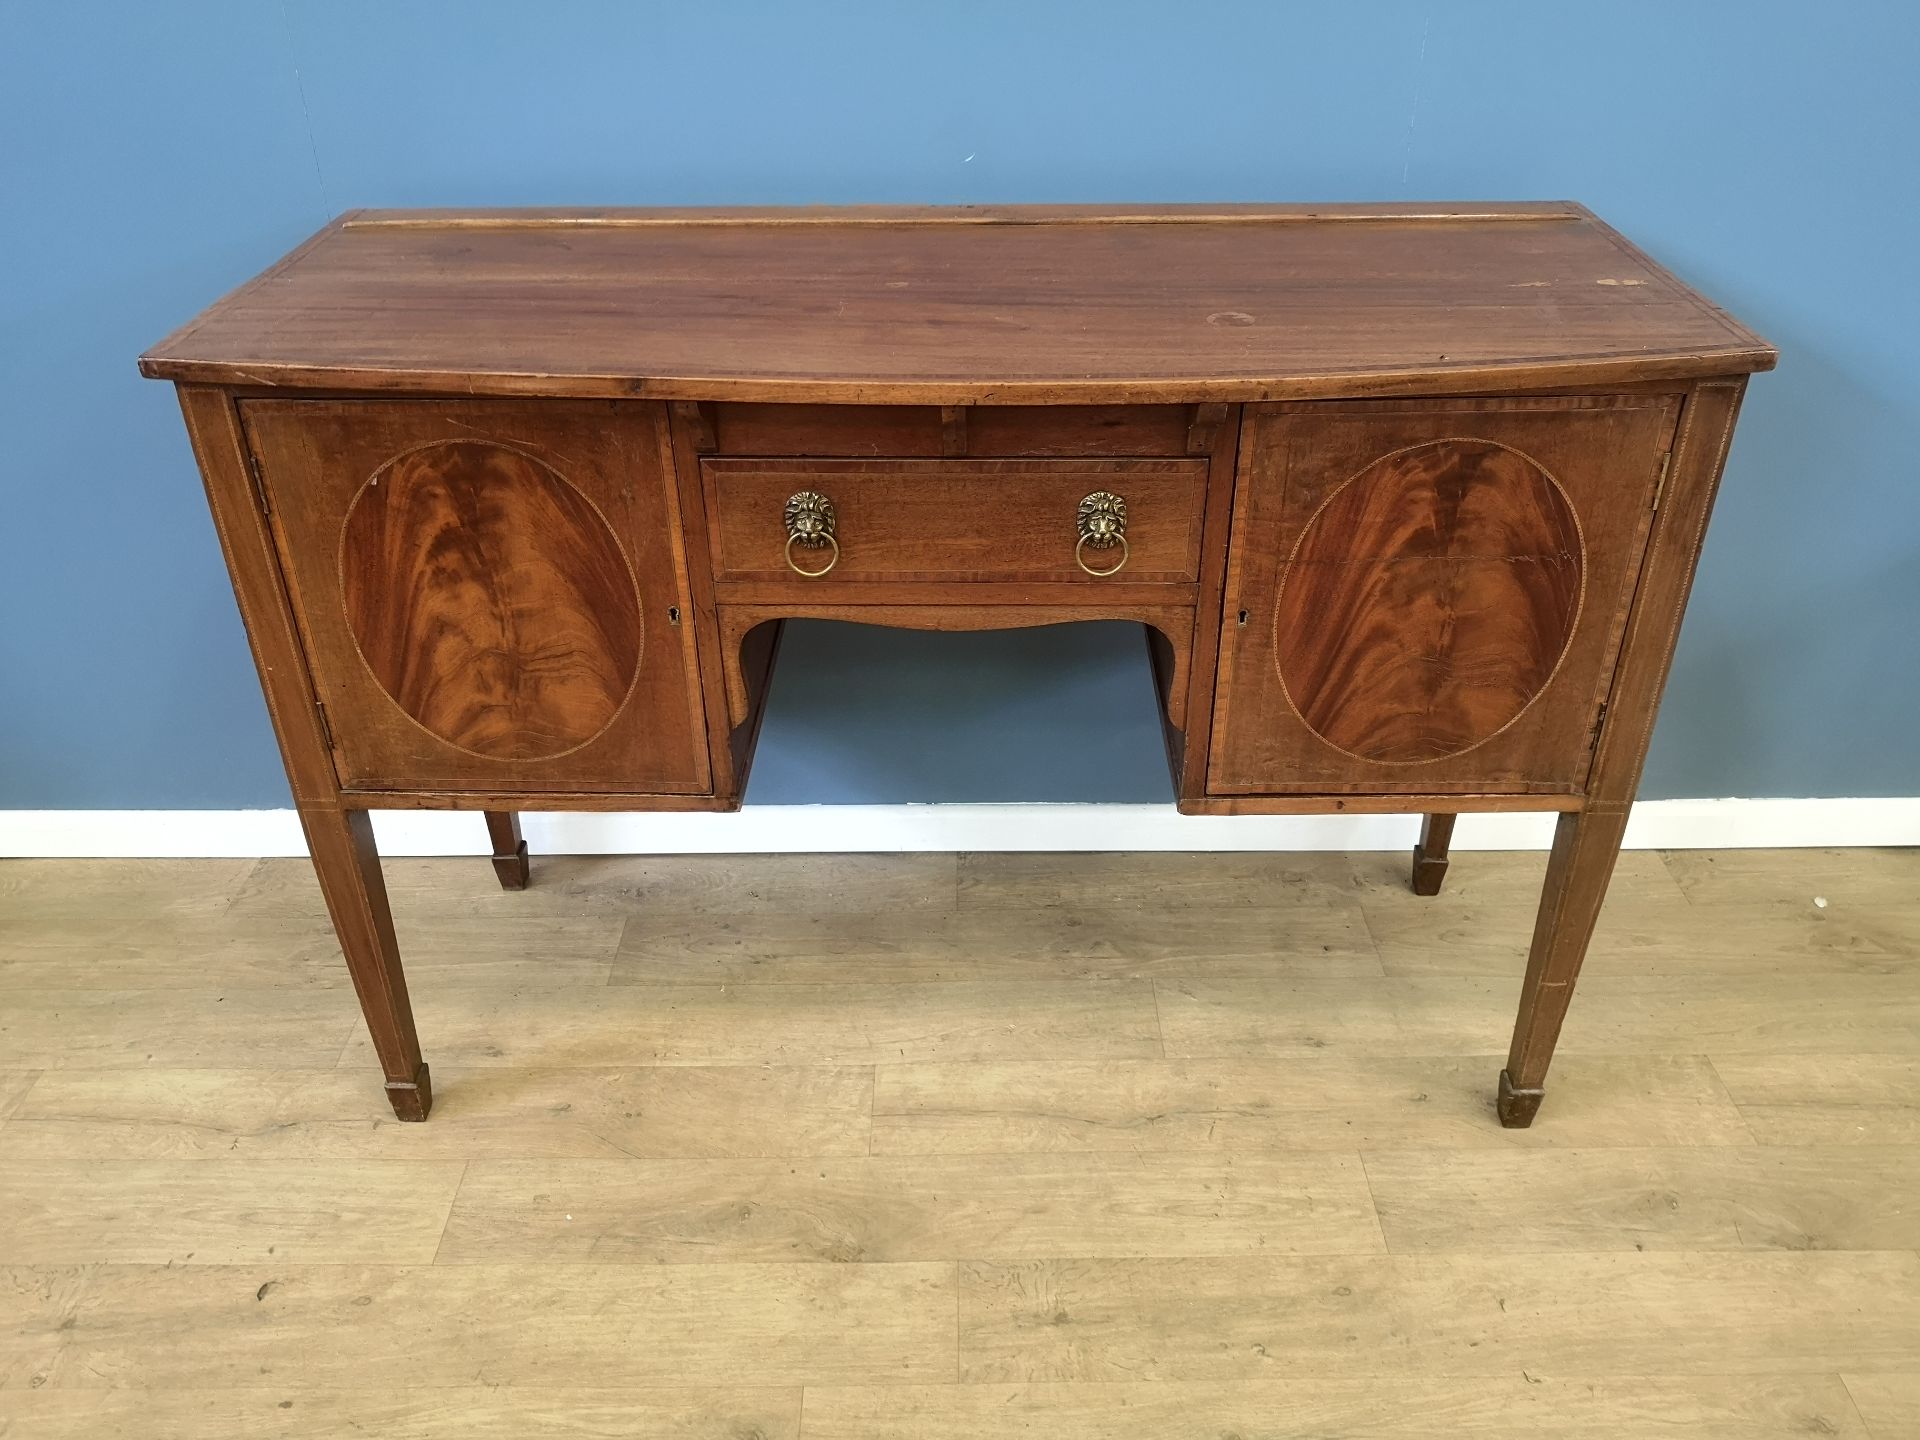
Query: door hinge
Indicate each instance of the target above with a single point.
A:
(259, 485)
(1660, 480)
(1599, 723)
(326, 725)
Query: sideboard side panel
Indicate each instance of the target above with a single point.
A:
(1666, 580)
(213, 426)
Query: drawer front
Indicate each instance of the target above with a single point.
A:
(948, 520)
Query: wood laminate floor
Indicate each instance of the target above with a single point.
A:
(1086, 1147)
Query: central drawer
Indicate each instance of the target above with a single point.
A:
(1032, 521)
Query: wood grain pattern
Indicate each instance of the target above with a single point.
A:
(1428, 595)
(978, 520)
(1648, 926)
(1700, 1314)
(903, 431)
(1122, 1220)
(668, 1111)
(1180, 885)
(1429, 601)
(472, 581)
(882, 1210)
(1861, 879)
(490, 600)
(1445, 1015)
(1244, 304)
(1848, 1099)
(109, 952)
(1393, 1407)
(845, 1024)
(56, 1028)
(620, 887)
(385, 1329)
(520, 1412)
(1322, 1101)
(37, 892)
(1405, 664)
(14, 1085)
(1888, 1402)
(1090, 943)
(1697, 1198)
(58, 1212)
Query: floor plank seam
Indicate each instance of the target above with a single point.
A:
(1853, 1400)
(1159, 1020)
(453, 1202)
(959, 1322)
(1373, 1204)
(873, 1087)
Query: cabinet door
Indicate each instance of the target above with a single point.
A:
(1427, 596)
(490, 591)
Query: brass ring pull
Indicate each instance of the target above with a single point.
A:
(1079, 553)
(793, 540)
(1103, 526)
(810, 524)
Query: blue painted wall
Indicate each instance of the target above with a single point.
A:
(151, 156)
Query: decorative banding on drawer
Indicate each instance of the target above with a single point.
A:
(819, 523)
(971, 432)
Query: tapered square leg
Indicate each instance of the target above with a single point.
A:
(509, 850)
(344, 857)
(1585, 846)
(1430, 855)
(1517, 1107)
(412, 1099)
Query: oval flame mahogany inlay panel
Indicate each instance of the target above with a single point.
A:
(1429, 601)
(491, 600)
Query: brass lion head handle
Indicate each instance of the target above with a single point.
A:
(1103, 526)
(810, 524)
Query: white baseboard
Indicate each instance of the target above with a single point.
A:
(1656, 825)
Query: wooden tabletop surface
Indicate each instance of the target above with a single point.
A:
(963, 305)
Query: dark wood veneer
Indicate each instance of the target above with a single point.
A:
(1415, 497)
(490, 600)
(1162, 304)
(487, 587)
(974, 521)
(1469, 556)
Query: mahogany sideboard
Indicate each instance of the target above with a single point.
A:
(1407, 500)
